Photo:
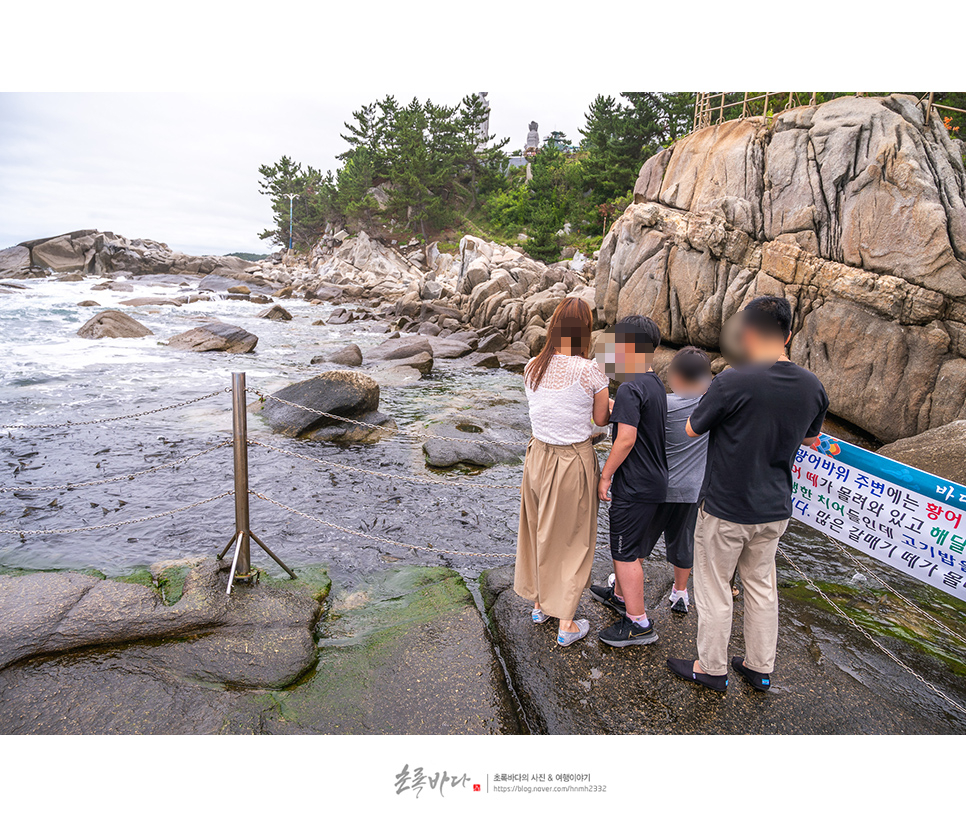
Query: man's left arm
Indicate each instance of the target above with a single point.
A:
(815, 429)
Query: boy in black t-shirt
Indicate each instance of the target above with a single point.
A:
(636, 473)
(757, 416)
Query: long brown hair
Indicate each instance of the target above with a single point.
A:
(571, 320)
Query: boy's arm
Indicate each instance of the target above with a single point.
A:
(623, 443)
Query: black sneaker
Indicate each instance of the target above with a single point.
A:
(759, 681)
(625, 632)
(679, 606)
(605, 594)
(685, 669)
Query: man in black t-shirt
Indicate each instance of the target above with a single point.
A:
(758, 415)
(636, 474)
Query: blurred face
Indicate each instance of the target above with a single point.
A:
(619, 359)
(732, 342)
(571, 339)
(680, 385)
(755, 345)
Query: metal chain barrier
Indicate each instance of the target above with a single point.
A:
(114, 524)
(864, 631)
(133, 416)
(412, 478)
(381, 539)
(408, 432)
(130, 476)
(844, 551)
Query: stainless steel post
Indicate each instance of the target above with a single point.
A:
(240, 441)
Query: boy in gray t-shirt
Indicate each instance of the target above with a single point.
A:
(689, 376)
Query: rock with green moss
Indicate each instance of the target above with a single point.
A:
(406, 653)
(138, 576)
(311, 579)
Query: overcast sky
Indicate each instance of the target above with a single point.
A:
(183, 168)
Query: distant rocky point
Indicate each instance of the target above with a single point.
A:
(89, 251)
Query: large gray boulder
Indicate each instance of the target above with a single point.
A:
(113, 324)
(276, 313)
(401, 348)
(14, 261)
(67, 253)
(422, 362)
(215, 336)
(350, 355)
(150, 301)
(348, 394)
(853, 210)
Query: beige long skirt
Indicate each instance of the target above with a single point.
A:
(558, 525)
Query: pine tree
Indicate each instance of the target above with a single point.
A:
(543, 243)
(313, 208)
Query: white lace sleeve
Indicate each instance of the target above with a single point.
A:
(593, 378)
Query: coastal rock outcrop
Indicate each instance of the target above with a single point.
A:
(113, 324)
(853, 210)
(496, 289)
(92, 251)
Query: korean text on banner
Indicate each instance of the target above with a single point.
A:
(900, 515)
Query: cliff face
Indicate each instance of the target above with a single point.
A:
(854, 210)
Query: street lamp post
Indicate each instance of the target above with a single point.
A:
(291, 197)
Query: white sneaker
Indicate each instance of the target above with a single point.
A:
(612, 580)
(679, 601)
(538, 616)
(565, 638)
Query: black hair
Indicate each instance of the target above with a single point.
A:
(769, 315)
(641, 330)
(691, 364)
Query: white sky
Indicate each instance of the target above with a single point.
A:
(183, 168)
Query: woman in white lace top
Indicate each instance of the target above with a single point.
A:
(567, 394)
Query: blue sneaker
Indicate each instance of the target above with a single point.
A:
(565, 638)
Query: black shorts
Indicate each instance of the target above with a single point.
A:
(635, 528)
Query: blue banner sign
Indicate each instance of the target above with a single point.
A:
(900, 515)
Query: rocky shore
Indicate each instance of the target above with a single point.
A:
(799, 205)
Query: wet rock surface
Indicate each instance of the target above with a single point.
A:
(591, 688)
(486, 437)
(408, 654)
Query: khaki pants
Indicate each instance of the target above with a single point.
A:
(719, 547)
(558, 525)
